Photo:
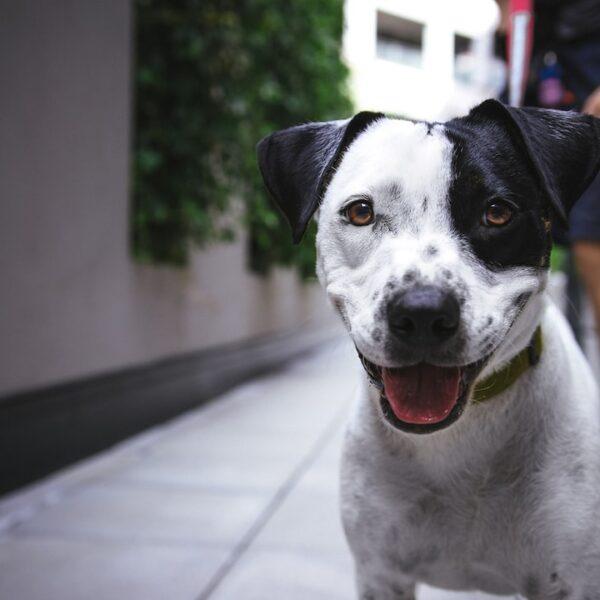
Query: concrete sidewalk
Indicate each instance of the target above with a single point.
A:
(234, 501)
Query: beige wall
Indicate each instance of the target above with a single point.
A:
(72, 303)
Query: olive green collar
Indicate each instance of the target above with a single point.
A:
(501, 380)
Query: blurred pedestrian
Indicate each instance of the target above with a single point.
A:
(565, 74)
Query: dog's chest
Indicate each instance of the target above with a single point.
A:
(456, 533)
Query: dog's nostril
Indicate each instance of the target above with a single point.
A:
(444, 327)
(424, 315)
(406, 325)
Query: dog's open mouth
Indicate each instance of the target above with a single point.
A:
(422, 398)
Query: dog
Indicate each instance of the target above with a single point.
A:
(471, 459)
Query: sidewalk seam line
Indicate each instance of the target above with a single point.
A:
(264, 517)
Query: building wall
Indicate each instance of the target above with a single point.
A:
(431, 90)
(72, 302)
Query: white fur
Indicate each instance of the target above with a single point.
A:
(507, 499)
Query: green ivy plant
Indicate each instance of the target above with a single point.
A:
(212, 77)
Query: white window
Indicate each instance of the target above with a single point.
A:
(399, 40)
(464, 59)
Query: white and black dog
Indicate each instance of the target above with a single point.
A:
(472, 458)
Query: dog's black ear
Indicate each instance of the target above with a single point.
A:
(563, 148)
(297, 164)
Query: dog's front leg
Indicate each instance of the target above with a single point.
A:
(371, 587)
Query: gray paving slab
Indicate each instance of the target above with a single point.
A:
(115, 512)
(289, 575)
(230, 444)
(59, 569)
(308, 521)
(247, 473)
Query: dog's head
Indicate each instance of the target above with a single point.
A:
(433, 239)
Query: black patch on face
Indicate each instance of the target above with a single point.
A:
(487, 167)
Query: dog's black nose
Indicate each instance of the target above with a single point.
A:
(424, 315)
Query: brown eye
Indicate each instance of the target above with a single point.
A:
(497, 214)
(360, 213)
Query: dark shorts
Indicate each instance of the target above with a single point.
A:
(581, 63)
(584, 222)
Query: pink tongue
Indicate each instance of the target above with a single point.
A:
(422, 394)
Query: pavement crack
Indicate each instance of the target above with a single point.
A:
(276, 501)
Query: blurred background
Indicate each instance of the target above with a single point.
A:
(145, 272)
